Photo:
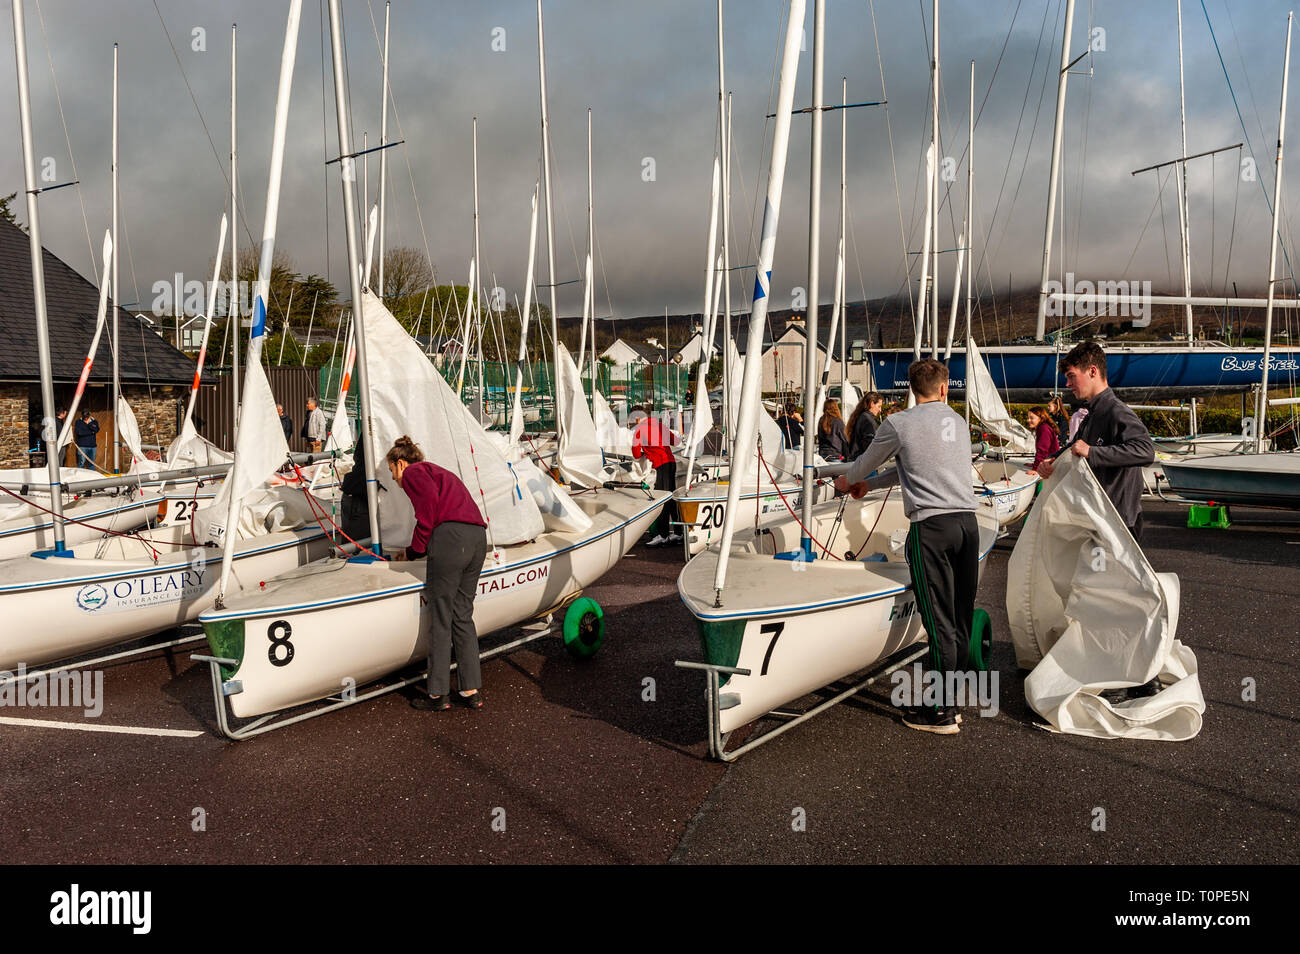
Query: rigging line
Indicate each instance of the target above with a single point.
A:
(207, 132)
(1150, 215)
(406, 155)
(984, 252)
(58, 98)
(898, 198)
(1232, 234)
(1240, 119)
(1050, 68)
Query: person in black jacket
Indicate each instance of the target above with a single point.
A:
(354, 506)
(1116, 445)
(863, 423)
(832, 441)
(791, 426)
(1111, 437)
(286, 422)
(87, 431)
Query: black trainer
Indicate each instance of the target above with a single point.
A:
(427, 703)
(472, 701)
(926, 719)
(1145, 690)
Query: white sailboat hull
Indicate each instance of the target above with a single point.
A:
(703, 507)
(1005, 488)
(338, 625)
(55, 608)
(796, 626)
(31, 530)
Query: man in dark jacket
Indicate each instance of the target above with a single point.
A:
(87, 430)
(1111, 437)
(1116, 445)
(286, 422)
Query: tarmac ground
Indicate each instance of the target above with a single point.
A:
(604, 760)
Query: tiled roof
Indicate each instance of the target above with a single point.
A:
(72, 303)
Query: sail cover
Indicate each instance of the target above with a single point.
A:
(408, 396)
(986, 404)
(1089, 613)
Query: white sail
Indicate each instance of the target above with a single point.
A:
(66, 434)
(986, 404)
(613, 438)
(260, 447)
(129, 430)
(409, 397)
(578, 456)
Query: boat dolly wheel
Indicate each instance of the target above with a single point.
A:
(584, 627)
(981, 641)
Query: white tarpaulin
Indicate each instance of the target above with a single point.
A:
(986, 404)
(578, 457)
(408, 396)
(1088, 613)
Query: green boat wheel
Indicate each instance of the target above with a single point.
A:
(584, 627)
(981, 641)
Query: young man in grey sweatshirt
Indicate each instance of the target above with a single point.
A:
(932, 444)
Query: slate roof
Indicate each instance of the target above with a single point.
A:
(72, 303)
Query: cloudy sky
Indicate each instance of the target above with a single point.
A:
(649, 72)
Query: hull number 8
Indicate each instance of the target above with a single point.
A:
(280, 652)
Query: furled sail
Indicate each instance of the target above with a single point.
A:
(986, 404)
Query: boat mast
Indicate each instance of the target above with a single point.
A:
(342, 114)
(1058, 132)
(588, 314)
(724, 136)
(383, 159)
(267, 250)
(517, 410)
(49, 425)
(117, 386)
(550, 211)
(746, 426)
(814, 270)
(934, 184)
(842, 283)
(232, 312)
(1184, 218)
(1261, 414)
(970, 224)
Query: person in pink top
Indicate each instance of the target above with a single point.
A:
(450, 534)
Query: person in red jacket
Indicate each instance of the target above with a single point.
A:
(653, 441)
(1046, 443)
(450, 534)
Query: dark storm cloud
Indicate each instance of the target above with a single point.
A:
(648, 70)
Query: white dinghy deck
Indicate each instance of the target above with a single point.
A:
(336, 624)
(787, 628)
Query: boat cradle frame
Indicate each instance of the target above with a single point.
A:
(539, 628)
(789, 718)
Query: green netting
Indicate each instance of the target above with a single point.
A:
(656, 386)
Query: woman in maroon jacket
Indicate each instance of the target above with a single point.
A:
(1046, 444)
(449, 532)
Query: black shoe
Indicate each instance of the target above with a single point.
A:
(1146, 690)
(1115, 696)
(926, 719)
(472, 701)
(427, 703)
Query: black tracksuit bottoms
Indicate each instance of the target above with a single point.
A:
(943, 560)
(666, 479)
(456, 554)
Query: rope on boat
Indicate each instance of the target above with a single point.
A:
(313, 503)
(81, 523)
(762, 460)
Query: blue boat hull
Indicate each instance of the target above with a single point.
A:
(1029, 373)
